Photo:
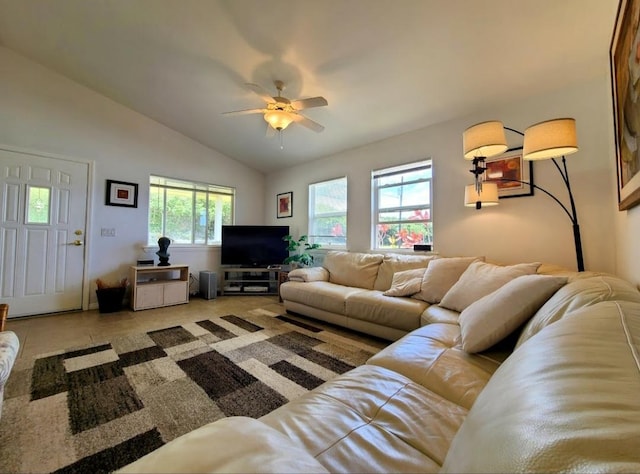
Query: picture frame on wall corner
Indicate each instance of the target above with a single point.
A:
(121, 193)
(284, 205)
(510, 166)
(625, 84)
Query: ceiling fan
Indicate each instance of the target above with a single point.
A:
(280, 111)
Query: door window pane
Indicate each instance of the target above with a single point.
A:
(38, 205)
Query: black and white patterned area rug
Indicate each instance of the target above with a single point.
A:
(98, 408)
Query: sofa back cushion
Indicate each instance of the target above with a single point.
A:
(394, 263)
(354, 269)
(577, 294)
(565, 401)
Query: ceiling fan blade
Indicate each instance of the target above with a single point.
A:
(307, 122)
(261, 92)
(302, 104)
(245, 112)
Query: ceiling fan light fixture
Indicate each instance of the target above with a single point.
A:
(278, 119)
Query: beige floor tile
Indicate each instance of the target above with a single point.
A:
(50, 333)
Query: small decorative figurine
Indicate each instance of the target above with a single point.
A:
(163, 242)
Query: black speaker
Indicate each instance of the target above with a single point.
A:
(422, 248)
(208, 285)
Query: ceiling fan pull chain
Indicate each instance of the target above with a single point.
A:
(280, 135)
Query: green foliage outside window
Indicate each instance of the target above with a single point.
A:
(188, 216)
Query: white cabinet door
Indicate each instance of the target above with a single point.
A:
(149, 296)
(175, 292)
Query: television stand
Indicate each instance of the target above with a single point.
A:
(250, 281)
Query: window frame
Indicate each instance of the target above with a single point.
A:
(196, 188)
(375, 205)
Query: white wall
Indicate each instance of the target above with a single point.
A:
(43, 111)
(519, 229)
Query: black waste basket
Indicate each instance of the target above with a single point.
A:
(110, 299)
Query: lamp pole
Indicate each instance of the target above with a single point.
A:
(573, 215)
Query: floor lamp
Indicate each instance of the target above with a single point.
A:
(543, 141)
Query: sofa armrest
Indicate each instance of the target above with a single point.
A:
(9, 345)
(438, 314)
(235, 444)
(309, 274)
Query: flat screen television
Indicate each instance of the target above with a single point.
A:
(253, 245)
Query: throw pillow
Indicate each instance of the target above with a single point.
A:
(405, 283)
(480, 279)
(441, 274)
(394, 263)
(496, 315)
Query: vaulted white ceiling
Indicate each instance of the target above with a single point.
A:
(385, 67)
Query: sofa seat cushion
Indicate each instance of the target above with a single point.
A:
(234, 445)
(352, 268)
(371, 420)
(565, 401)
(431, 357)
(396, 312)
(319, 294)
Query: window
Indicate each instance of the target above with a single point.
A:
(328, 212)
(188, 212)
(402, 206)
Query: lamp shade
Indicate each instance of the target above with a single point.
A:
(550, 139)
(488, 196)
(278, 119)
(484, 140)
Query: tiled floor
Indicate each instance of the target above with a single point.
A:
(43, 334)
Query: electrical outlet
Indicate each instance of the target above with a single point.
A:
(108, 232)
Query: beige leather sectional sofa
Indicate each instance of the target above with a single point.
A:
(356, 290)
(450, 396)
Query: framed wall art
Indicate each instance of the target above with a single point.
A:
(120, 193)
(285, 205)
(625, 81)
(510, 166)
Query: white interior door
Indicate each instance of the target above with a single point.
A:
(42, 232)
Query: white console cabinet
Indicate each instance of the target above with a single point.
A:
(153, 287)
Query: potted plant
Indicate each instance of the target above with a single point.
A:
(300, 248)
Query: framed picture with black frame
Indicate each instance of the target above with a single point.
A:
(121, 193)
(284, 205)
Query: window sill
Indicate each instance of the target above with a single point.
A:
(184, 247)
